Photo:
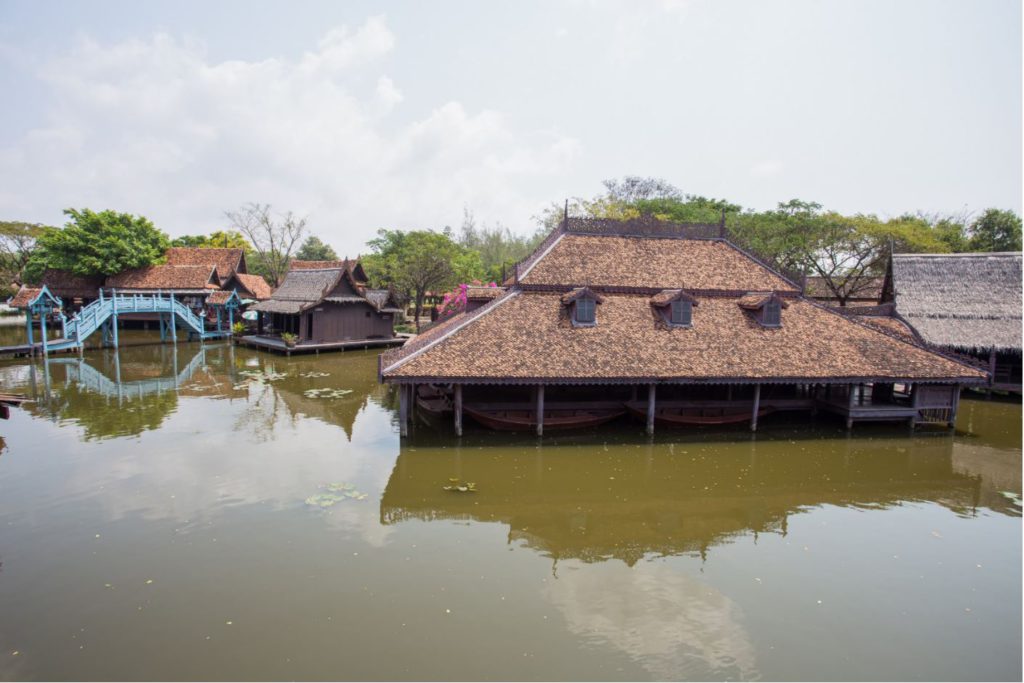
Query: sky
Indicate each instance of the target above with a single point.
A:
(401, 115)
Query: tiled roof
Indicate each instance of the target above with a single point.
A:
(579, 293)
(528, 337)
(651, 262)
(165, 277)
(894, 325)
(255, 284)
(295, 264)
(25, 296)
(219, 297)
(67, 285)
(753, 300)
(272, 306)
(226, 260)
(480, 293)
(301, 289)
(667, 296)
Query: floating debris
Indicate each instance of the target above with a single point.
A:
(314, 373)
(460, 487)
(336, 493)
(262, 375)
(326, 393)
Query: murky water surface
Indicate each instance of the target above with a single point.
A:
(199, 513)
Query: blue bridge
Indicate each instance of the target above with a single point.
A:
(102, 316)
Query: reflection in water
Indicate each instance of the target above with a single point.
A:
(629, 501)
(588, 556)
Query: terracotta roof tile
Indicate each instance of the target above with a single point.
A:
(526, 337)
(66, 284)
(255, 284)
(227, 260)
(667, 296)
(651, 262)
(579, 293)
(25, 296)
(481, 293)
(753, 300)
(165, 277)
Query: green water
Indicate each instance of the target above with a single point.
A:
(196, 514)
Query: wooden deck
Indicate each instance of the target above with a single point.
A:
(275, 344)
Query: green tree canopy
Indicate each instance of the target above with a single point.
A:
(497, 246)
(97, 243)
(314, 249)
(413, 263)
(996, 230)
(218, 239)
(17, 242)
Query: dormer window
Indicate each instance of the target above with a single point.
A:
(766, 307)
(674, 307)
(582, 304)
(585, 311)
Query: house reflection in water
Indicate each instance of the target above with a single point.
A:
(594, 503)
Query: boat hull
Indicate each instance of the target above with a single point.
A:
(694, 413)
(521, 419)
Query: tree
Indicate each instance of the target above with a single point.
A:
(498, 247)
(97, 243)
(17, 242)
(413, 263)
(219, 239)
(996, 230)
(313, 249)
(273, 238)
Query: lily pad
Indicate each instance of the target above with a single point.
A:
(460, 487)
(326, 393)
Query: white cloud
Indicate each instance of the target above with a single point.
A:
(767, 168)
(155, 127)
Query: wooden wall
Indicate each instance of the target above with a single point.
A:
(343, 322)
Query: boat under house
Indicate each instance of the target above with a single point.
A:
(967, 304)
(673, 324)
(326, 305)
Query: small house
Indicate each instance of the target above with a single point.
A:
(325, 308)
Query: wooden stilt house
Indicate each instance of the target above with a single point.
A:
(672, 323)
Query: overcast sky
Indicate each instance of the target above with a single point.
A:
(398, 115)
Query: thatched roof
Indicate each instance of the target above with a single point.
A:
(970, 302)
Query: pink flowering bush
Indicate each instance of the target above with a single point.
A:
(454, 302)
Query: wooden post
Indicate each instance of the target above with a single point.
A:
(174, 323)
(991, 371)
(113, 304)
(28, 327)
(851, 403)
(651, 392)
(403, 410)
(458, 410)
(955, 406)
(42, 330)
(540, 410)
(757, 407)
(633, 393)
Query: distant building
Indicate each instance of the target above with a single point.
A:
(964, 303)
(855, 291)
(326, 307)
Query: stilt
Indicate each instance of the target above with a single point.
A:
(955, 407)
(540, 410)
(651, 390)
(174, 323)
(458, 410)
(757, 406)
(42, 331)
(852, 402)
(28, 327)
(412, 399)
(403, 410)
(163, 328)
(991, 371)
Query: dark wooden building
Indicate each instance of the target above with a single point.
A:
(671, 323)
(326, 308)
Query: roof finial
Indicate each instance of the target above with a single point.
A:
(565, 216)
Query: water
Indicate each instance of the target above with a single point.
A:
(166, 515)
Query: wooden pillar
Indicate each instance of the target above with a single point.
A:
(113, 318)
(991, 370)
(231, 319)
(849, 408)
(42, 330)
(403, 410)
(28, 326)
(757, 407)
(458, 410)
(956, 405)
(540, 410)
(651, 395)
(633, 394)
(174, 323)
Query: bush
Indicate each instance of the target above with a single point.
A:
(289, 339)
(238, 329)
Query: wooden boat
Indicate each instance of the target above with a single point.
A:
(521, 417)
(8, 400)
(682, 413)
(432, 402)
